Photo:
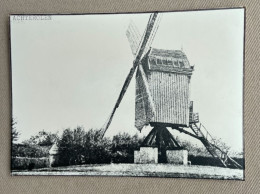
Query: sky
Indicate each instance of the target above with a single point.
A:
(68, 70)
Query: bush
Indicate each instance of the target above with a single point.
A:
(43, 138)
(80, 147)
(30, 151)
(97, 149)
(123, 146)
(77, 146)
(210, 161)
(71, 146)
(23, 163)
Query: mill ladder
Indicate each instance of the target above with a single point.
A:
(204, 136)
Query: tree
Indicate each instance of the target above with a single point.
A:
(31, 151)
(123, 146)
(222, 145)
(71, 146)
(36, 147)
(193, 149)
(43, 138)
(65, 145)
(15, 133)
(14, 137)
(96, 148)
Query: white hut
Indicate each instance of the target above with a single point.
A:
(54, 155)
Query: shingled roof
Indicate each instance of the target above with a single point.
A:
(168, 59)
(168, 53)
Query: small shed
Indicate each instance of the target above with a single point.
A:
(54, 155)
(167, 73)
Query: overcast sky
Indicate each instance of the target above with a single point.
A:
(68, 71)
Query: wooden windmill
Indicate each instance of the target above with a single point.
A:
(163, 94)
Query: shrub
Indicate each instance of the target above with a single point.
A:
(123, 146)
(79, 147)
(96, 148)
(23, 163)
(210, 161)
(30, 151)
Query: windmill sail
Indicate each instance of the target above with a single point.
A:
(140, 52)
(144, 103)
(153, 33)
(134, 37)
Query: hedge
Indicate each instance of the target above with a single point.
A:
(23, 163)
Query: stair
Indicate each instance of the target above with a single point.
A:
(204, 136)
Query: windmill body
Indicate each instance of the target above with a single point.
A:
(168, 74)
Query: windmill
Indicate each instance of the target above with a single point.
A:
(163, 95)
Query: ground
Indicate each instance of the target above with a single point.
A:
(154, 170)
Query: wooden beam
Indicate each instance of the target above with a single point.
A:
(158, 139)
(186, 132)
(172, 138)
(148, 137)
(153, 137)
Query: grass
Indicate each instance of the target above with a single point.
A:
(147, 170)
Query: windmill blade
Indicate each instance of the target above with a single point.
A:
(153, 33)
(143, 98)
(136, 62)
(146, 38)
(134, 37)
(147, 89)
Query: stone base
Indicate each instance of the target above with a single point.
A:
(146, 155)
(177, 156)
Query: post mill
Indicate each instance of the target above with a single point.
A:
(163, 100)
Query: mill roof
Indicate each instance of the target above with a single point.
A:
(174, 61)
(178, 54)
(54, 149)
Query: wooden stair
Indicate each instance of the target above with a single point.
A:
(204, 136)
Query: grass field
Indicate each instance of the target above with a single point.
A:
(153, 170)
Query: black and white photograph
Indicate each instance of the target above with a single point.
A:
(155, 94)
